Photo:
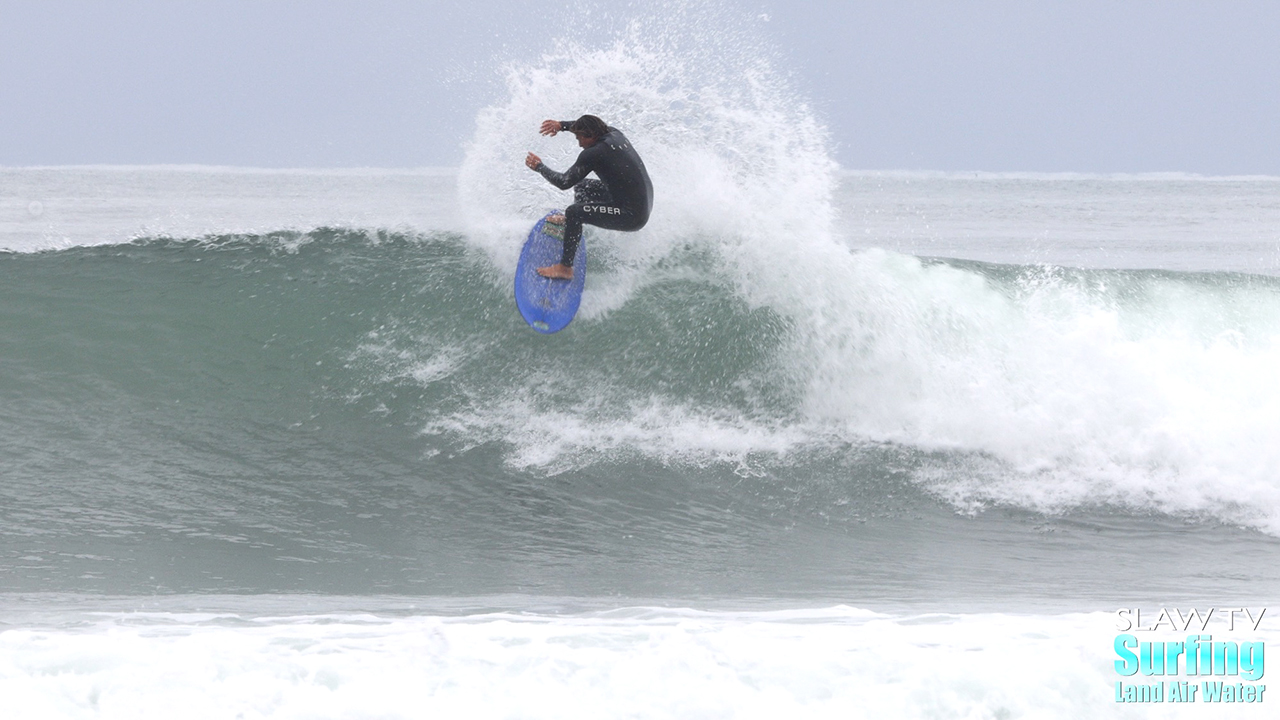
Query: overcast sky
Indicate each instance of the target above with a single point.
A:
(994, 86)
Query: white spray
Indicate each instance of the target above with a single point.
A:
(1043, 392)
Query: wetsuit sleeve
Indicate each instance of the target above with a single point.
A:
(568, 178)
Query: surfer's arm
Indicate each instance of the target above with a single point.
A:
(564, 180)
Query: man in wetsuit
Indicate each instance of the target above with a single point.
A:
(620, 200)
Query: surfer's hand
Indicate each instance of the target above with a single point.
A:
(533, 161)
(550, 127)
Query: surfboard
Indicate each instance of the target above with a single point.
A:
(548, 305)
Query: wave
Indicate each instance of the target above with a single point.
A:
(1029, 386)
(736, 329)
(749, 327)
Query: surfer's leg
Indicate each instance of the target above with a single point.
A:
(587, 192)
(588, 195)
(593, 205)
(573, 217)
(609, 217)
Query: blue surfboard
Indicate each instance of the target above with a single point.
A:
(548, 305)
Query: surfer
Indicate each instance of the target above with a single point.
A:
(620, 200)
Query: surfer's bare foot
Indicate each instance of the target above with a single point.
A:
(557, 219)
(559, 271)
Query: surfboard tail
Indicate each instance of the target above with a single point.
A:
(554, 229)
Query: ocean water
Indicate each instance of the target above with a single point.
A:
(276, 443)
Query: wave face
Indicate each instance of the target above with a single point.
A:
(1051, 387)
(345, 410)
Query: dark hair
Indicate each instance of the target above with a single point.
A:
(589, 126)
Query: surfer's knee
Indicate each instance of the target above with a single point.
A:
(636, 225)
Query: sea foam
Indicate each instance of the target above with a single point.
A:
(837, 662)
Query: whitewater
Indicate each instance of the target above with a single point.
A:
(820, 443)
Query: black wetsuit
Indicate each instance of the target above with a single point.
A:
(620, 200)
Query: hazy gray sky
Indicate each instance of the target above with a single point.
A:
(998, 86)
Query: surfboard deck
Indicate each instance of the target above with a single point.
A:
(548, 305)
